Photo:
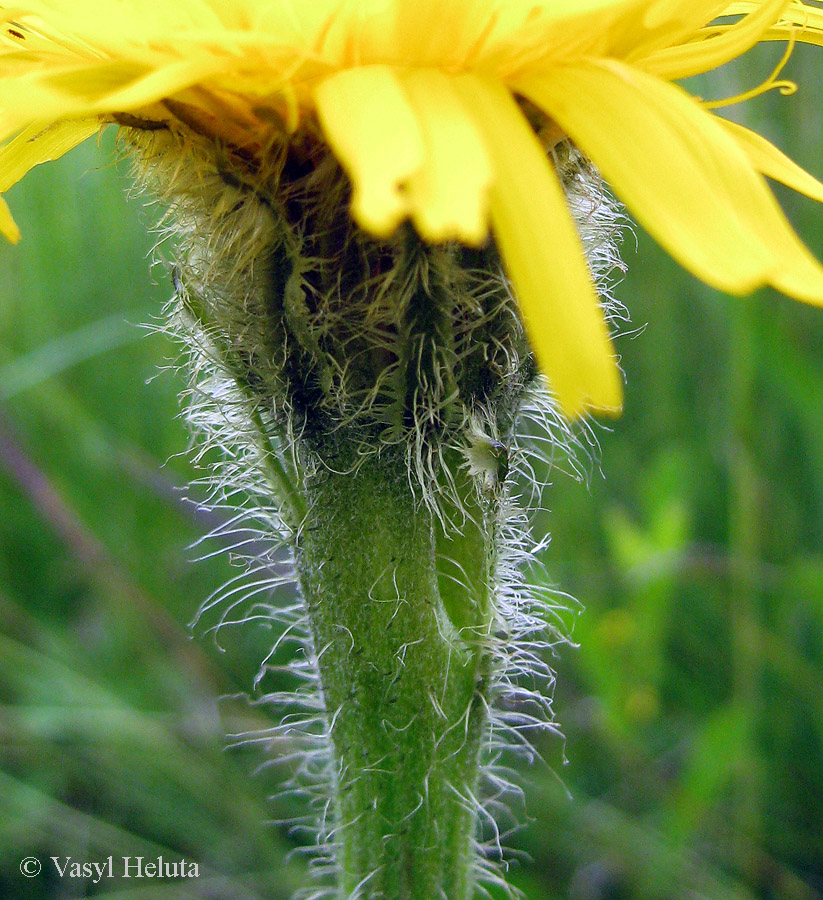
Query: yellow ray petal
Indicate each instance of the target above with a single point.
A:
(766, 158)
(23, 32)
(684, 177)
(419, 34)
(703, 55)
(449, 194)
(373, 131)
(8, 227)
(541, 250)
(655, 146)
(616, 28)
(32, 146)
(667, 23)
(798, 273)
(803, 22)
(38, 144)
(97, 88)
(115, 26)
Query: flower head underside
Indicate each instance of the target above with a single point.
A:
(442, 113)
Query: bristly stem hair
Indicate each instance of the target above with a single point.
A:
(380, 420)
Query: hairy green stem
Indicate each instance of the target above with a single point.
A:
(404, 657)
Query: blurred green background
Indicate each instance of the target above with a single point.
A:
(692, 709)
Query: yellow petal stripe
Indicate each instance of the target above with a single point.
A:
(543, 256)
(370, 126)
(657, 149)
(449, 194)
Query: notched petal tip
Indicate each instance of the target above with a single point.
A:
(594, 392)
(449, 194)
(609, 399)
(374, 133)
(471, 230)
(544, 258)
(378, 212)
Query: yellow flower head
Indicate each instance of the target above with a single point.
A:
(441, 111)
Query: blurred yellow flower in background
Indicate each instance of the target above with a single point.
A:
(442, 112)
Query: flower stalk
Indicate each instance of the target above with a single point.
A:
(405, 677)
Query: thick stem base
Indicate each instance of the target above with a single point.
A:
(404, 679)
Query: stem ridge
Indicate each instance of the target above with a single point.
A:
(405, 687)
